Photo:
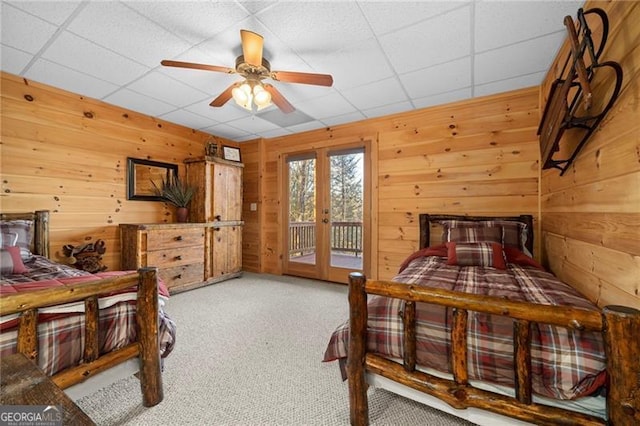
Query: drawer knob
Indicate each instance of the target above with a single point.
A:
(217, 217)
(216, 229)
(178, 277)
(178, 257)
(179, 238)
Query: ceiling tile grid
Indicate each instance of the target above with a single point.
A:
(385, 57)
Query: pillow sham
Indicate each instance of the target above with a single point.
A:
(514, 234)
(11, 261)
(24, 230)
(475, 235)
(488, 254)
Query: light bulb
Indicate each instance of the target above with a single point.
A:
(261, 97)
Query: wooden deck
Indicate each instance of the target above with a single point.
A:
(339, 260)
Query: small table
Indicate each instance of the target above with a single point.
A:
(23, 383)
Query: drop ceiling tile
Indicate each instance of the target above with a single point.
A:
(252, 124)
(56, 75)
(210, 82)
(126, 33)
(23, 31)
(312, 125)
(386, 16)
(437, 79)
(256, 6)
(131, 100)
(443, 98)
(354, 65)
(188, 119)
(388, 109)
(275, 133)
(518, 59)
(388, 91)
(438, 40)
(228, 112)
(297, 93)
(326, 106)
(499, 23)
(13, 60)
(226, 131)
(500, 86)
(193, 21)
(82, 55)
(340, 23)
(159, 86)
(342, 119)
(55, 12)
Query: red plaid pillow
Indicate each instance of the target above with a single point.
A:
(10, 261)
(476, 254)
(513, 233)
(475, 234)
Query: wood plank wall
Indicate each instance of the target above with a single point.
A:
(67, 153)
(473, 157)
(590, 217)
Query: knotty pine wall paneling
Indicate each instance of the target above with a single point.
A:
(67, 153)
(590, 217)
(251, 235)
(478, 156)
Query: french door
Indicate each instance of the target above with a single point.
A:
(327, 221)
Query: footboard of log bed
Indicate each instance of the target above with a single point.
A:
(146, 347)
(620, 326)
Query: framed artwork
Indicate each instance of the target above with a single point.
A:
(140, 175)
(231, 153)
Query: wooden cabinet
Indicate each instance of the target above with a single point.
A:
(219, 193)
(218, 202)
(187, 255)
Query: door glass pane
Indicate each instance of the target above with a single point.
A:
(347, 192)
(302, 211)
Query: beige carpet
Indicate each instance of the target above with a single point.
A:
(249, 352)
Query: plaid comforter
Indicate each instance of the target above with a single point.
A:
(61, 328)
(566, 364)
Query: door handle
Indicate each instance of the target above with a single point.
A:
(325, 220)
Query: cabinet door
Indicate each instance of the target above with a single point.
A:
(227, 192)
(226, 250)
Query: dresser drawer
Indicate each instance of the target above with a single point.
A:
(174, 238)
(180, 276)
(175, 257)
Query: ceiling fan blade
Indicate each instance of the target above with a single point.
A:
(303, 78)
(252, 47)
(224, 97)
(194, 66)
(278, 99)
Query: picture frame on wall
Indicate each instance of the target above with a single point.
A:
(231, 153)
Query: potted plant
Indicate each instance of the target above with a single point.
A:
(178, 193)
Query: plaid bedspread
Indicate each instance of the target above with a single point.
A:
(61, 328)
(566, 364)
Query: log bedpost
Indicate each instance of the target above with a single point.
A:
(357, 349)
(622, 338)
(148, 322)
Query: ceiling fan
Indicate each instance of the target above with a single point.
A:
(254, 68)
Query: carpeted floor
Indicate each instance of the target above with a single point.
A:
(249, 352)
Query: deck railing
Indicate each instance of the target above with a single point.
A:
(345, 237)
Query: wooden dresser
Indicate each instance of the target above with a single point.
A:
(187, 255)
(190, 255)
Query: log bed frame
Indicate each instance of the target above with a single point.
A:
(146, 347)
(620, 326)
